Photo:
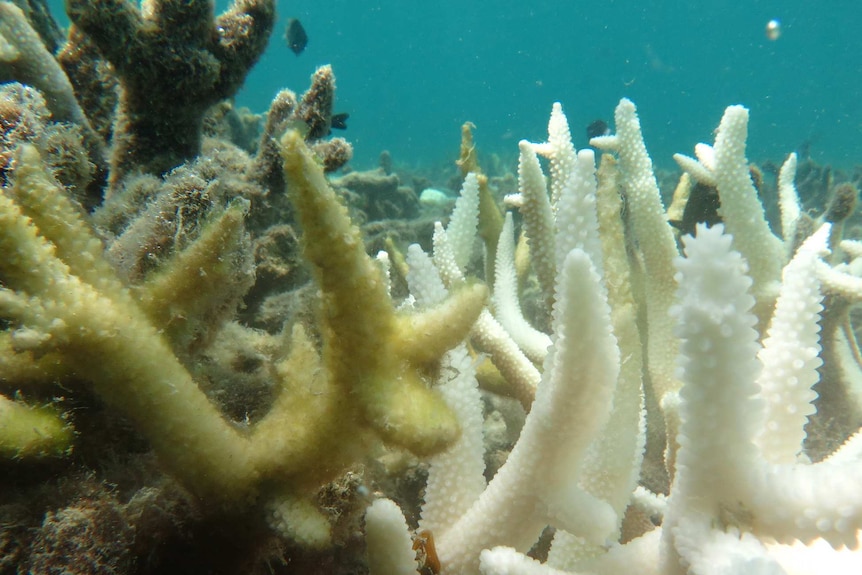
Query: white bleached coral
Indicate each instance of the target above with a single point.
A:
(743, 497)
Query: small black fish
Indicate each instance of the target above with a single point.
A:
(597, 128)
(702, 207)
(339, 121)
(296, 37)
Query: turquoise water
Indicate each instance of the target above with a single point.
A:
(409, 73)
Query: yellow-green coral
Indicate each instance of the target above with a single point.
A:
(201, 285)
(64, 302)
(370, 349)
(28, 431)
(490, 217)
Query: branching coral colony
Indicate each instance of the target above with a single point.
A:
(730, 338)
(688, 413)
(135, 322)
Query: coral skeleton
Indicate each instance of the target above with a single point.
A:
(745, 492)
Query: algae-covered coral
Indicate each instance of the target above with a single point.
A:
(123, 318)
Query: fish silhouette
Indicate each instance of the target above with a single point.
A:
(597, 128)
(339, 121)
(295, 35)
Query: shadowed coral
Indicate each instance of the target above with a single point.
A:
(174, 59)
(24, 58)
(314, 112)
(39, 15)
(379, 196)
(315, 107)
(93, 79)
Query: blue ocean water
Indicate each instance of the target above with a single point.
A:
(410, 73)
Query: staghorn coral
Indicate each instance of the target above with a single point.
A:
(153, 312)
(174, 60)
(24, 58)
(271, 211)
(257, 422)
(385, 346)
(313, 112)
(93, 79)
(736, 403)
(27, 431)
(65, 302)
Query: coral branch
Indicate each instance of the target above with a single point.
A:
(366, 350)
(174, 60)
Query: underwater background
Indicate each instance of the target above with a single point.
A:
(232, 383)
(410, 73)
